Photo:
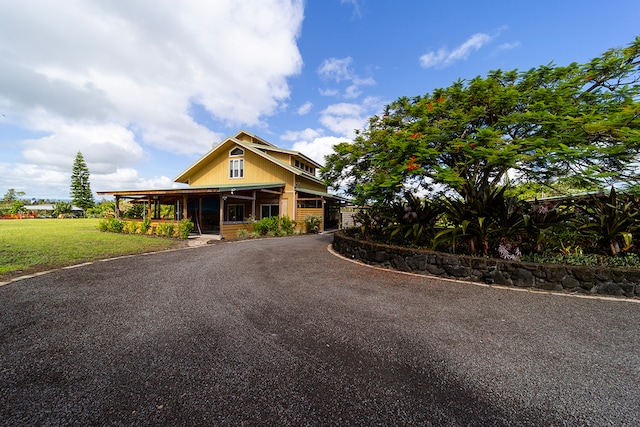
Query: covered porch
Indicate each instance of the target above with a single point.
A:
(221, 210)
(321, 204)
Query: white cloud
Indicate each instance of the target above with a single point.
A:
(344, 118)
(336, 69)
(129, 179)
(339, 70)
(306, 134)
(444, 57)
(329, 92)
(305, 108)
(115, 78)
(507, 46)
(318, 148)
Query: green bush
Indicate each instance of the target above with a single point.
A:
(312, 223)
(145, 225)
(185, 228)
(114, 225)
(267, 226)
(130, 227)
(165, 229)
(287, 225)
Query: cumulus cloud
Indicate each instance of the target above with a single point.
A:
(318, 148)
(339, 70)
(305, 108)
(444, 57)
(339, 122)
(122, 76)
(336, 69)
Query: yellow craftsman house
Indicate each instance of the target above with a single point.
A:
(243, 177)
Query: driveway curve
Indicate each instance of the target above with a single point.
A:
(281, 332)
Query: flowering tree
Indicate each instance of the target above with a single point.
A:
(579, 122)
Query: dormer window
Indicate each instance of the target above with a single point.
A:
(237, 152)
(305, 167)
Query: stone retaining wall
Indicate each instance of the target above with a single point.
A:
(587, 280)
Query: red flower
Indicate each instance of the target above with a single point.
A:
(430, 107)
(472, 145)
(411, 165)
(415, 135)
(441, 99)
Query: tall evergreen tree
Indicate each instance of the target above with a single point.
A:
(81, 194)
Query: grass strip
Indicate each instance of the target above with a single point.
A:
(32, 245)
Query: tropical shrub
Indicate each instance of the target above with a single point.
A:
(482, 221)
(274, 226)
(165, 229)
(145, 226)
(413, 221)
(113, 225)
(185, 228)
(611, 221)
(130, 227)
(312, 223)
(582, 231)
(287, 225)
(266, 226)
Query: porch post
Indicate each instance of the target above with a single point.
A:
(324, 215)
(149, 207)
(117, 212)
(222, 200)
(253, 205)
(184, 207)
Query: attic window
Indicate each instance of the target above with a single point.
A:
(237, 152)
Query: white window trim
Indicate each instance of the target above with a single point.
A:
(236, 155)
(233, 170)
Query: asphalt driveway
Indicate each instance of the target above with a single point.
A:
(281, 332)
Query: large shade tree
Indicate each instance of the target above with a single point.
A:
(81, 194)
(579, 122)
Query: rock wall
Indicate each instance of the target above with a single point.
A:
(587, 280)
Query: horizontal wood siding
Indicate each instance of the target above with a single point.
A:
(256, 170)
(302, 213)
(230, 231)
(311, 185)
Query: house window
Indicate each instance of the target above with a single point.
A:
(235, 212)
(237, 152)
(269, 210)
(236, 168)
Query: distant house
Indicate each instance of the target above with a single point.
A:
(243, 177)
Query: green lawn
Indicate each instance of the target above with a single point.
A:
(31, 245)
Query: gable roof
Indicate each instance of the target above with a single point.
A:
(260, 148)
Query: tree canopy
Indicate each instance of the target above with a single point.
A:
(81, 194)
(579, 122)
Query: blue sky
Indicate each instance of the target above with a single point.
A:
(144, 88)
